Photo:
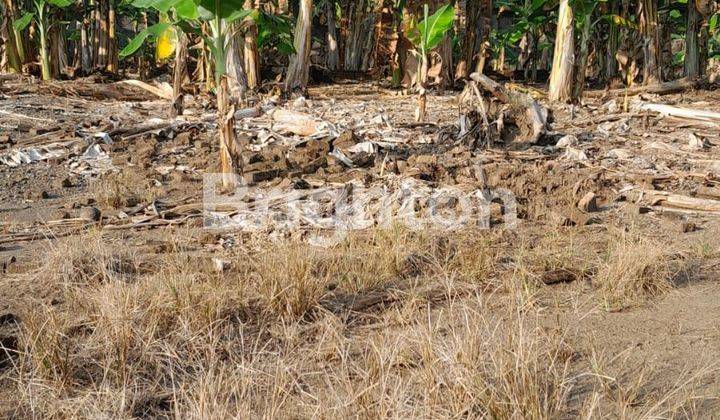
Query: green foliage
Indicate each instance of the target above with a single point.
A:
(23, 22)
(430, 31)
(529, 16)
(275, 30)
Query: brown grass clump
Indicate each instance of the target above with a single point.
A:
(90, 260)
(124, 189)
(288, 279)
(636, 267)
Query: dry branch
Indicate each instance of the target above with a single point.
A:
(691, 114)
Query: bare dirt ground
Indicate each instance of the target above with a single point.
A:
(115, 301)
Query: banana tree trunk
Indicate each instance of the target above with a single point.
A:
(100, 37)
(44, 53)
(692, 41)
(226, 128)
(333, 53)
(446, 56)
(612, 44)
(85, 54)
(486, 26)
(421, 110)
(581, 69)
(299, 68)
(561, 77)
(179, 73)
(11, 57)
(651, 41)
(469, 39)
(12, 13)
(250, 49)
(238, 80)
(56, 50)
(112, 50)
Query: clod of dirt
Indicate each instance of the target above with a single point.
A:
(588, 203)
(634, 209)
(66, 183)
(558, 276)
(687, 227)
(90, 214)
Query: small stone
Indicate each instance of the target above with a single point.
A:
(588, 203)
(299, 103)
(90, 214)
(567, 141)
(618, 154)
(67, 183)
(574, 154)
(221, 265)
(695, 142)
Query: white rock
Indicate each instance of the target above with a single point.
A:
(574, 154)
(695, 142)
(220, 265)
(567, 141)
(618, 154)
(300, 102)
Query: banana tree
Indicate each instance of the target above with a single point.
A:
(584, 11)
(426, 36)
(529, 19)
(189, 15)
(40, 17)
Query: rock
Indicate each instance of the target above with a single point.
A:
(567, 141)
(90, 214)
(618, 154)
(574, 154)
(221, 265)
(588, 203)
(300, 103)
(695, 142)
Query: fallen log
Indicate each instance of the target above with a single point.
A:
(709, 192)
(666, 199)
(687, 113)
(666, 88)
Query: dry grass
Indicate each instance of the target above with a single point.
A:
(124, 189)
(636, 267)
(262, 339)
